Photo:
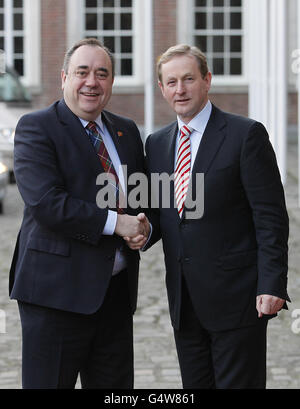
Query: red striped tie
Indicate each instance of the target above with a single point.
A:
(183, 167)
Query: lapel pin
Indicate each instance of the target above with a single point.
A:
(120, 133)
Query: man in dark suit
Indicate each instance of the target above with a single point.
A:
(226, 272)
(73, 275)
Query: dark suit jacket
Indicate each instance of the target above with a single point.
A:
(238, 249)
(61, 259)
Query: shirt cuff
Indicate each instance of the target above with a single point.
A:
(150, 234)
(110, 224)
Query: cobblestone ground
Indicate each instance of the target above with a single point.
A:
(155, 356)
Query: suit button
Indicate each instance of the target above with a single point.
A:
(187, 259)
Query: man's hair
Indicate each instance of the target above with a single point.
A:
(93, 42)
(183, 49)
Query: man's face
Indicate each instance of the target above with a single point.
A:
(88, 84)
(183, 87)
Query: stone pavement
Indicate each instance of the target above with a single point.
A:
(155, 356)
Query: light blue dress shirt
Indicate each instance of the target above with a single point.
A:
(110, 225)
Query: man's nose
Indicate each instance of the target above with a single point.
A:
(180, 87)
(91, 79)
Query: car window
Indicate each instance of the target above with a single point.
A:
(11, 89)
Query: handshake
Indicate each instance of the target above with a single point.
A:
(135, 230)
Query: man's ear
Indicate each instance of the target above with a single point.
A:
(160, 84)
(207, 79)
(63, 79)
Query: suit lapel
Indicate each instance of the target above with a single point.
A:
(170, 148)
(168, 163)
(211, 142)
(79, 136)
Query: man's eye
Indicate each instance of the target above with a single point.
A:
(101, 75)
(81, 74)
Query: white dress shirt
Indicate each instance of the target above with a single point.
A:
(198, 123)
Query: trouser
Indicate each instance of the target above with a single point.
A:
(59, 345)
(233, 359)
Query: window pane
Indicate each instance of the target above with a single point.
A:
(1, 43)
(236, 3)
(109, 42)
(200, 21)
(18, 45)
(91, 3)
(126, 66)
(112, 24)
(126, 21)
(218, 3)
(1, 3)
(126, 44)
(235, 66)
(218, 33)
(236, 44)
(108, 21)
(19, 66)
(18, 3)
(218, 20)
(1, 22)
(18, 21)
(109, 3)
(201, 42)
(218, 66)
(218, 44)
(126, 3)
(91, 21)
(235, 20)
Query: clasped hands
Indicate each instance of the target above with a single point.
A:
(134, 229)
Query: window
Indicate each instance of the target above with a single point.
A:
(12, 33)
(218, 32)
(112, 22)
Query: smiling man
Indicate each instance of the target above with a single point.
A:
(73, 275)
(226, 272)
(87, 79)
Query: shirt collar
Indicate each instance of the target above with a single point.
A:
(98, 121)
(199, 122)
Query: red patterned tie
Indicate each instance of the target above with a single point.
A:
(183, 167)
(106, 163)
